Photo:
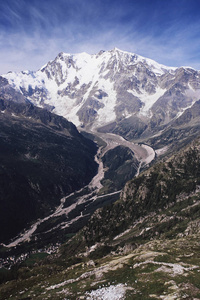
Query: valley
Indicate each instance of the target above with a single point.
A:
(70, 213)
(100, 175)
(134, 248)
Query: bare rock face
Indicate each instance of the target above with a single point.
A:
(94, 91)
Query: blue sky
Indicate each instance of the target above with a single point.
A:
(32, 32)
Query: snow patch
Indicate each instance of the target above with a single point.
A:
(107, 113)
(112, 292)
(148, 100)
(161, 150)
(194, 95)
(175, 269)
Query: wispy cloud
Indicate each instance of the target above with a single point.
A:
(33, 32)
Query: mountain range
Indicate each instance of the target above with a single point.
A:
(107, 88)
(123, 227)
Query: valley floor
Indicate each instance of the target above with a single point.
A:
(89, 193)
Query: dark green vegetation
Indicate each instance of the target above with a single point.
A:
(148, 241)
(42, 158)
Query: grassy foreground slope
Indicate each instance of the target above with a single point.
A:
(144, 246)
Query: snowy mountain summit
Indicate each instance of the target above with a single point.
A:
(110, 89)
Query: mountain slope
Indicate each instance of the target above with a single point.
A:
(9, 93)
(147, 243)
(42, 158)
(160, 187)
(145, 246)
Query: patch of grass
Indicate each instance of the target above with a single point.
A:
(194, 278)
(126, 274)
(165, 258)
(35, 258)
(101, 252)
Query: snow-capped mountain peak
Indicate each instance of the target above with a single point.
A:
(110, 86)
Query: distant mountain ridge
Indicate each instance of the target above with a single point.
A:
(114, 90)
